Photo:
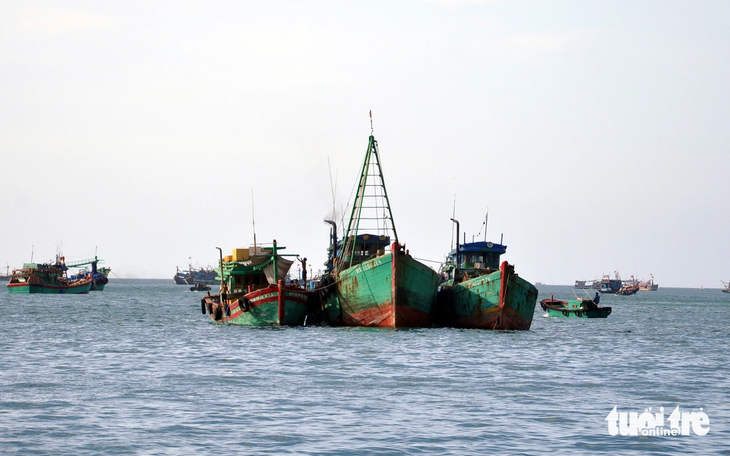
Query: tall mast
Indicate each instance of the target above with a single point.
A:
(371, 210)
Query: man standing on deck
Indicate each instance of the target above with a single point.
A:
(597, 298)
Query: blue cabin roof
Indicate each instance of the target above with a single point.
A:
(482, 246)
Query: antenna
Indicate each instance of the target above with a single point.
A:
(371, 122)
(332, 188)
(486, 221)
(484, 225)
(453, 216)
(253, 222)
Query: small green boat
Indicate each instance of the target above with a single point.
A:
(374, 281)
(47, 279)
(253, 292)
(574, 308)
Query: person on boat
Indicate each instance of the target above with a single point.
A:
(597, 298)
(304, 269)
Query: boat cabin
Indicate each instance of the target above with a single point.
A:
(366, 246)
(473, 259)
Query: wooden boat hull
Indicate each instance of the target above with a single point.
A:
(45, 288)
(392, 291)
(98, 285)
(488, 302)
(275, 305)
(601, 312)
(574, 308)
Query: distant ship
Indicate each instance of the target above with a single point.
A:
(585, 284)
(609, 285)
(648, 285)
(7, 276)
(192, 276)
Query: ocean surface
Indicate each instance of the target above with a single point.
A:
(138, 369)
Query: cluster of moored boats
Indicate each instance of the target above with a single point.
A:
(372, 279)
(617, 286)
(55, 278)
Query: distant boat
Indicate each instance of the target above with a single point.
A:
(6, 277)
(609, 285)
(628, 289)
(574, 308)
(47, 278)
(585, 284)
(374, 280)
(648, 285)
(480, 293)
(98, 275)
(200, 287)
(726, 286)
(253, 292)
(192, 276)
(180, 277)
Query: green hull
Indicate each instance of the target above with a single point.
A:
(26, 288)
(574, 308)
(603, 312)
(480, 303)
(368, 295)
(271, 306)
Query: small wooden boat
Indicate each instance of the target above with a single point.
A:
(200, 287)
(628, 289)
(574, 308)
(253, 292)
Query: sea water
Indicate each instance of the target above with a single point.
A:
(138, 369)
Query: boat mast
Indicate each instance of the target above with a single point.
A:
(253, 222)
(220, 253)
(457, 246)
(371, 168)
(486, 221)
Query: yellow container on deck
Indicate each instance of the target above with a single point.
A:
(227, 259)
(240, 254)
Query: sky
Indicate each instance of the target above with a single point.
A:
(594, 133)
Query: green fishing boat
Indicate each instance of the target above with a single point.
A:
(374, 281)
(47, 278)
(574, 308)
(479, 293)
(98, 275)
(253, 291)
